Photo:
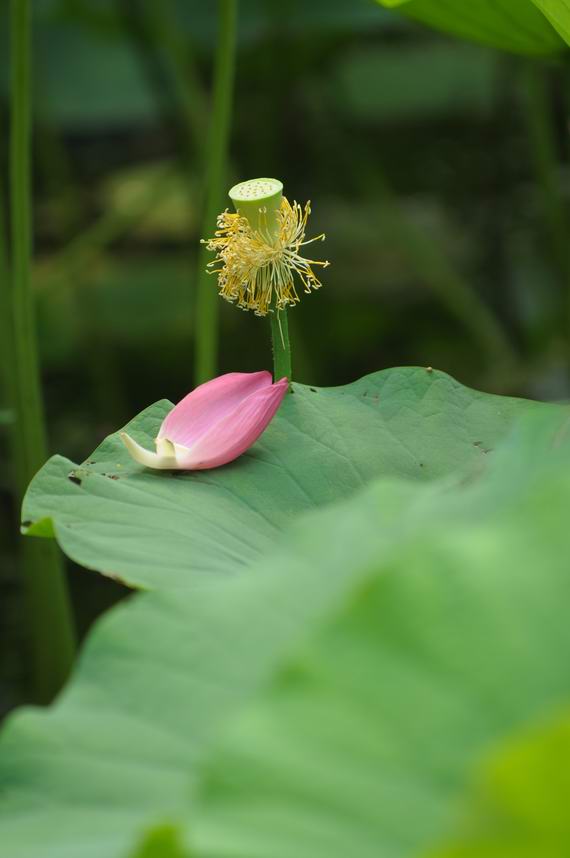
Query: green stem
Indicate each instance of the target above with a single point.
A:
(281, 345)
(49, 609)
(206, 325)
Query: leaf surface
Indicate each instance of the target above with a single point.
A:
(558, 13)
(519, 808)
(336, 699)
(511, 25)
(159, 529)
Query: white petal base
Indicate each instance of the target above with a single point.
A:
(164, 459)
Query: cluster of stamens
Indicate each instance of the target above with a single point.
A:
(256, 268)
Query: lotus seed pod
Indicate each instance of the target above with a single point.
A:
(259, 248)
(259, 200)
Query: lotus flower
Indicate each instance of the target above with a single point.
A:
(214, 424)
(258, 249)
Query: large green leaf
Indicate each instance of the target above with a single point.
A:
(512, 25)
(156, 529)
(334, 700)
(558, 13)
(372, 741)
(520, 806)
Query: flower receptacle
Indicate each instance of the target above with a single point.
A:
(259, 200)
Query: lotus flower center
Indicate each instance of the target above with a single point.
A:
(255, 189)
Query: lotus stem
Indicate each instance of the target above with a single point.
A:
(281, 345)
(206, 324)
(51, 628)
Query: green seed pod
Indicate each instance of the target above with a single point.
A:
(259, 200)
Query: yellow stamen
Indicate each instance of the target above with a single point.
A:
(257, 275)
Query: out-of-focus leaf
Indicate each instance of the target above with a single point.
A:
(558, 13)
(334, 700)
(520, 809)
(383, 85)
(512, 25)
(156, 529)
(161, 842)
(363, 746)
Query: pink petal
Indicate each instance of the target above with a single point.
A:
(236, 431)
(210, 403)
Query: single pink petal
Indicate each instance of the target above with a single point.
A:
(236, 431)
(209, 403)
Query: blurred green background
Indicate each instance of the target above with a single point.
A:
(437, 168)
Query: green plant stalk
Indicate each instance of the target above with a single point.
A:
(207, 312)
(51, 626)
(281, 344)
